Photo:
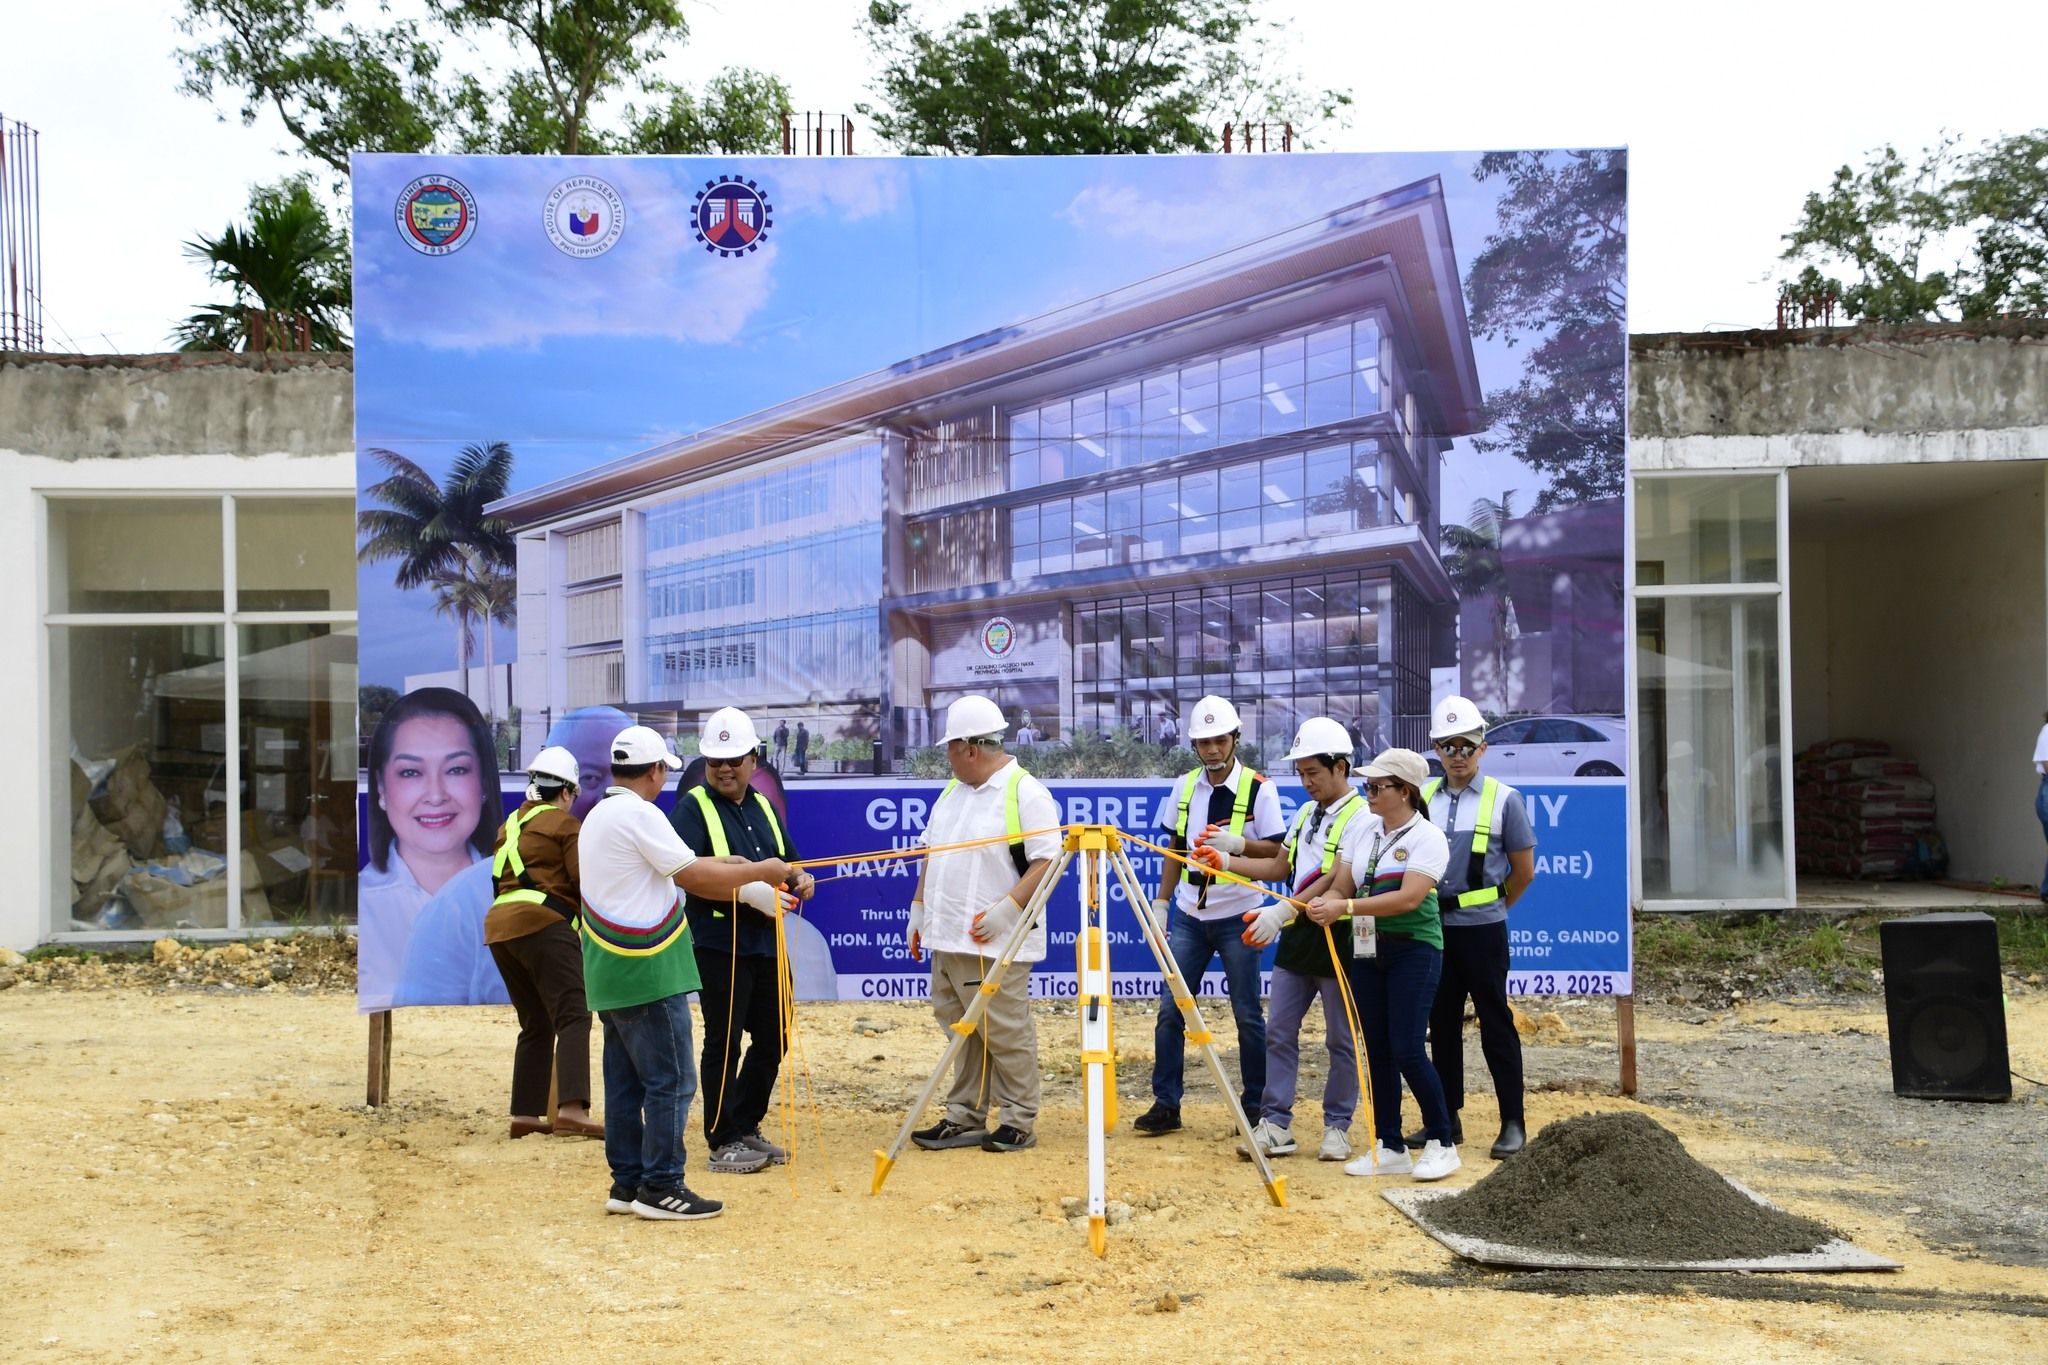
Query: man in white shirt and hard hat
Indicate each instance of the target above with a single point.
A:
(1229, 807)
(967, 904)
(639, 968)
(1492, 862)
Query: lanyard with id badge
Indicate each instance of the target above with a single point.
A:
(1365, 928)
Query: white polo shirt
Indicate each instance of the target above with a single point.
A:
(628, 855)
(961, 883)
(1226, 900)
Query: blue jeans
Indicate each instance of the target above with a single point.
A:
(1195, 943)
(2041, 810)
(1394, 992)
(650, 1077)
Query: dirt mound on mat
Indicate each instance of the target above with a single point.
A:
(1622, 1185)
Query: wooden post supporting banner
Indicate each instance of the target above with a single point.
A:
(378, 1088)
(1625, 1029)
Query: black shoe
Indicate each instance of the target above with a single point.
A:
(1160, 1118)
(1008, 1139)
(678, 1204)
(946, 1133)
(620, 1200)
(1419, 1139)
(1510, 1140)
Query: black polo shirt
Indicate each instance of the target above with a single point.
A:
(717, 924)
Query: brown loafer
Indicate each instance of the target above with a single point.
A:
(521, 1127)
(568, 1127)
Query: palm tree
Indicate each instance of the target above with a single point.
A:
(289, 272)
(1472, 559)
(478, 591)
(439, 533)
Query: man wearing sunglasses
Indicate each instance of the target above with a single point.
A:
(1493, 860)
(735, 938)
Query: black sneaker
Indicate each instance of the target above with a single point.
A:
(1160, 1118)
(946, 1133)
(678, 1204)
(1420, 1139)
(620, 1200)
(1008, 1139)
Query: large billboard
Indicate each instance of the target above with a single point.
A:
(839, 441)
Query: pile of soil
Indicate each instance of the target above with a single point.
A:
(307, 962)
(1622, 1185)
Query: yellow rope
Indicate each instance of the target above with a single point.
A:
(731, 990)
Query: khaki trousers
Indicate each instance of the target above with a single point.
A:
(998, 1068)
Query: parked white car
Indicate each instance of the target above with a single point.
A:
(1557, 746)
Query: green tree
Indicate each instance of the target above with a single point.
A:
(1955, 234)
(1038, 77)
(372, 701)
(288, 270)
(476, 591)
(1552, 280)
(438, 534)
(339, 86)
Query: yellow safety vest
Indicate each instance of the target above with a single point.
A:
(715, 827)
(1332, 841)
(1482, 834)
(507, 862)
(1013, 820)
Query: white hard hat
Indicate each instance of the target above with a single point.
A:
(1455, 716)
(1211, 717)
(557, 763)
(637, 744)
(972, 717)
(728, 733)
(1319, 735)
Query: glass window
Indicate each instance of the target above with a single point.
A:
(1283, 361)
(1238, 376)
(1162, 397)
(1024, 469)
(1086, 458)
(137, 555)
(1240, 419)
(139, 721)
(1286, 409)
(1329, 353)
(1329, 400)
(1198, 494)
(1122, 425)
(1241, 528)
(294, 554)
(1198, 386)
(298, 737)
(1707, 737)
(1123, 508)
(1710, 529)
(1089, 415)
(1240, 487)
(1090, 531)
(1023, 526)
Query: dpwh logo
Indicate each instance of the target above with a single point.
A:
(436, 215)
(732, 216)
(999, 637)
(584, 216)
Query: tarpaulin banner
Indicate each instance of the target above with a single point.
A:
(840, 441)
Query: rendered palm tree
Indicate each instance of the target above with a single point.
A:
(439, 532)
(478, 591)
(1472, 559)
(289, 272)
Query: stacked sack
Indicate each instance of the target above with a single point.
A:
(1864, 813)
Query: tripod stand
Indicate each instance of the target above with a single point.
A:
(1100, 848)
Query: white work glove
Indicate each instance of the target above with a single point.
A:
(763, 897)
(1262, 926)
(914, 931)
(1217, 837)
(1160, 906)
(995, 924)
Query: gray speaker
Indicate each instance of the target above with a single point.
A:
(1945, 1007)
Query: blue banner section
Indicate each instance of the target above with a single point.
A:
(1570, 933)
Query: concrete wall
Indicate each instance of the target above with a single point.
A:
(1867, 395)
(135, 426)
(1932, 637)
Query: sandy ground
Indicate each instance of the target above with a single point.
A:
(192, 1176)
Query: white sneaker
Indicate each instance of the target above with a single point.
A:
(1273, 1140)
(1380, 1162)
(1437, 1162)
(1336, 1145)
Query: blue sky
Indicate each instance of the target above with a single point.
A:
(870, 261)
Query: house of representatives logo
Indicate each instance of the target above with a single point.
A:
(732, 216)
(585, 216)
(436, 215)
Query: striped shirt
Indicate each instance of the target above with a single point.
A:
(636, 938)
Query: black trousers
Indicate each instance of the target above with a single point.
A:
(742, 1043)
(1476, 965)
(544, 976)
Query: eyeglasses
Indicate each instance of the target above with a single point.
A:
(710, 762)
(1375, 788)
(1456, 749)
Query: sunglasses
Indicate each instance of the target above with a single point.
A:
(726, 762)
(1456, 748)
(1375, 788)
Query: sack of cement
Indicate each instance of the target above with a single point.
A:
(131, 806)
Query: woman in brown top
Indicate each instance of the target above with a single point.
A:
(531, 932)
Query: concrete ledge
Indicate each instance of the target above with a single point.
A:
(122, 407)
